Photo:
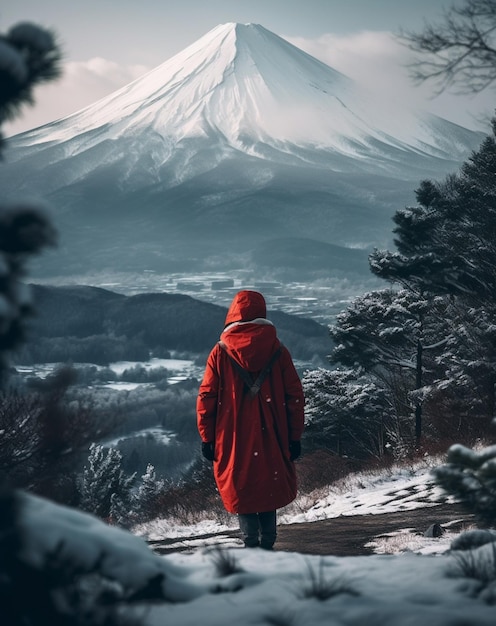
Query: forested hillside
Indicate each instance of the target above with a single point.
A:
(89, 324)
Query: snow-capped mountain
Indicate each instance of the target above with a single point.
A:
(239, 123)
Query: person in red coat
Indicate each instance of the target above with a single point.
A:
(251, 432)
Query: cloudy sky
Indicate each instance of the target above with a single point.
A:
(108, 43)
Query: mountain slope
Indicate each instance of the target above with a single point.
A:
(241, 123)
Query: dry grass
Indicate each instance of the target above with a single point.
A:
(321, 587)
(225, 563)
(477, 564)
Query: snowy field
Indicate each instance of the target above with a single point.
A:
(177, 371)
(212, 586)
(158, 434)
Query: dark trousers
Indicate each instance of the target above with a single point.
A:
(258, 529)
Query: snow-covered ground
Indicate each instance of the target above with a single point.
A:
(207, 585)
(159, 434)
(369, 493)
(178, 370)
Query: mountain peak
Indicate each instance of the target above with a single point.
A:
(238, 138)
(239, 81)
(243, 88)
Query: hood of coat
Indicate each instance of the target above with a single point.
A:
(246, 306)
(248, 336)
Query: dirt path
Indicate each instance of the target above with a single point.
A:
(347, 536)
(340, 536)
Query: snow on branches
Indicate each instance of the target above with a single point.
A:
(29, 55)
(470, 476)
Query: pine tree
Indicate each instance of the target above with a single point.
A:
(467, 386)
(29, 55)
(470, 476)
(446, 248)
(345, 413)
(393, 336)
(148, 492)
(447, 244)
(105, 489)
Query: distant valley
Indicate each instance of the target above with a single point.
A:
(136, 361)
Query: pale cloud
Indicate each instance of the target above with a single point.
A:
(347, 52)
(378, 61)
(375, 59)
(102, 73)
(82, 84)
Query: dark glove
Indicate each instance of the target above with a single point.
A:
(294, 450)
(208, 450)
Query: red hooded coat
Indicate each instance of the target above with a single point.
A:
(251, 434)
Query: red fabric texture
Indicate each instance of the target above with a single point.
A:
(251, 434)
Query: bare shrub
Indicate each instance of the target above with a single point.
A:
(320, 468)
(195, 498)
(43, 436)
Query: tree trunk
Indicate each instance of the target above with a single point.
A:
(418, 385)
